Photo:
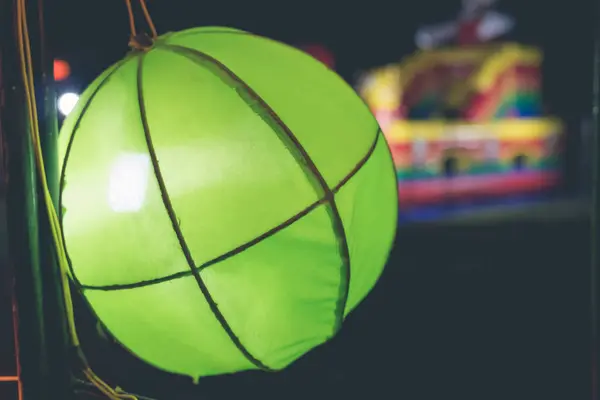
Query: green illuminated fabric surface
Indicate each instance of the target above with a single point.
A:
(226, 201)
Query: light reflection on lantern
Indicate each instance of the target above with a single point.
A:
(128, 183)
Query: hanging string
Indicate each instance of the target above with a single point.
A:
(148, 19)
(141, 41)
(24, 47)
(131, 18)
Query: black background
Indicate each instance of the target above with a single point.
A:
(487, 312)
(94, 34)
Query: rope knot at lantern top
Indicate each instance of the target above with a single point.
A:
(141, 41)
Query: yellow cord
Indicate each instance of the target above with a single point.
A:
(27, 73)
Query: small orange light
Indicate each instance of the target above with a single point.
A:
(62, 70)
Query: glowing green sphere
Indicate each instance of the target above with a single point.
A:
(226, 201)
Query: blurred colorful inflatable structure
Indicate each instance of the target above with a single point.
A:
(466, 123)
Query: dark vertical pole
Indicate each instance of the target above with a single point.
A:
(22, 221)
(54, 307)
(595, 215)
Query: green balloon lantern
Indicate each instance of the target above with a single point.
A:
(226, 201)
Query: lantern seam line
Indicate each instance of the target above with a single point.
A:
(305, 163)
(296, 217)
(175, 224)
(62, 181)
